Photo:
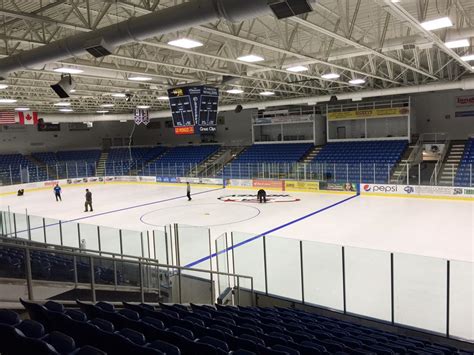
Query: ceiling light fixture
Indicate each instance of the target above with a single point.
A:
(107, 105)
(235, 91)
(251, 58)
(66, 110)
(3, 86)
(185, 43)
(436, 24)
(297, 69)
(102, 111)
(468, 58)
(330, 76)
(139, 78)
(267, 93)
(119, 94)
(143, 107)
(164, 98)
(461, 43)
(357, 81)
(22, 109)
(7, 101)
(63, 104)
(68, 70)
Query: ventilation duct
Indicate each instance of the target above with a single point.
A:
(287, 8)
(183, 16)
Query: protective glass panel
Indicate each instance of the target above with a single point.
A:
(222, 263)
(283, 267)
(53, 233)
(109, 240)
(36, 229)
(162, 247)
(461, 300)
(70, 234)
(322, 274)
(21, 225)
(248, 258)
(194, 244)
(420, 294)
(89, 236)
(368, 283)
(132, 243)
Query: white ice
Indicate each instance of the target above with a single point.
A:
(437, 228)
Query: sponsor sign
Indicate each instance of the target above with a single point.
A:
(211, 181)
(126, 178)
(50, 183)
(282, 119)
(417, 190)
(109, 178)
(302, 185)
(464, 114)
(369, 113)
(387, 189)
(167, 179)
(191, 180)
(328, 186)
(240, 183)
(273, 184)
(147, 178)
(465, 101)
(75, 181)
(252, 198)
(182, 131)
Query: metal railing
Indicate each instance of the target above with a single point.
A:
(138, 275)
(380, 173)
(430, 294)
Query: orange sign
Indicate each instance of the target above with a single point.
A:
(274, 184)
(184, 130)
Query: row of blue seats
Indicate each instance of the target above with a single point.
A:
(53, 267)
(20, 337)
(176, 329)
(465, 172)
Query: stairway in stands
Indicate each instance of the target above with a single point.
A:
(451, 163)
(101, 164)
(400, 169)
(213, 165)
(309, 157)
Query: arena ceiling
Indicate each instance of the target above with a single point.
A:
(378, 41)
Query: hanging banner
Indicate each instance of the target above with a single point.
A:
(369, 113)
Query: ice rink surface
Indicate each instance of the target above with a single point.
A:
(438, 228)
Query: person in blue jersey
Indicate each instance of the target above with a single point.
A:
(57, 192)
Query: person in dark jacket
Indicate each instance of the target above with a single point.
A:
(188, 191)
(57, 192)
(262, 196)
(20, 192)
(88, 201)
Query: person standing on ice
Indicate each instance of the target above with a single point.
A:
(188, 191)
(57, 192)
(88, 201)
(262, 196)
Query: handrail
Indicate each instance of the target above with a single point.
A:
(79, 250)
(178, 269)
(439, 163)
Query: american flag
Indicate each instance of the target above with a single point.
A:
(7, 117)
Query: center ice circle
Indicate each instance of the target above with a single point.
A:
(201, 215)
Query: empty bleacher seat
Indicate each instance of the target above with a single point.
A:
(465, 172)
(300, 332)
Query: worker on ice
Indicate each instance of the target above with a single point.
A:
(57, 192)
(262, 196)
(188, 191)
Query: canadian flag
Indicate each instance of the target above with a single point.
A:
(28, 118)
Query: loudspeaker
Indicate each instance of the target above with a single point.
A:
(64, 86)
(238, 109)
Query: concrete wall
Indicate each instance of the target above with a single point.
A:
(26, 139)
(435, 112)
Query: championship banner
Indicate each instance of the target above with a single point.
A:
(369, 113)
(302, 186)
(141, 116)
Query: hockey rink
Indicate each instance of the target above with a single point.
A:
(437, 228)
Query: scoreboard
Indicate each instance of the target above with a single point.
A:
(194, 108)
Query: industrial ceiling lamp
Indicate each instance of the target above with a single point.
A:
(64, 86)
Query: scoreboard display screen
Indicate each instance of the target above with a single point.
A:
(194, 106)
